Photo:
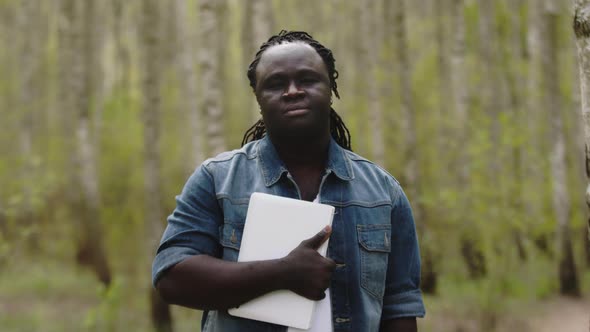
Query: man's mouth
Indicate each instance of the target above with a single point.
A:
(294, 110)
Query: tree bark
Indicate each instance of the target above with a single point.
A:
(189, 103)
(210, 55)
(257, 27)
(154, 216)
(512, 57)
(78, 36)
(262, 24)
(561, 203)
(412, 170)
(122, 62)
(29, 63)
(533, 159)
(370, 58)
(471, 252)
(582, 33)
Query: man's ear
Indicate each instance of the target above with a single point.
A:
(256, 97)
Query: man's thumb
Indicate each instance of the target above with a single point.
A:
(321, 237)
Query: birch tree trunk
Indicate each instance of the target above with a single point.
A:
(87, 172)
(154, 216)
(561, 203)
(491, 90)
(370, 47)
(80, 55)
(262, 22)
(189, 104)
(209, 56)
(535, 109)
(458, 79)
(472, 254)
(29, 59)
(444, 75)
(412, 171)
(122, 64)
(582, 32)
(512, 58)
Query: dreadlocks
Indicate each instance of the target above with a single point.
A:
(338, 129)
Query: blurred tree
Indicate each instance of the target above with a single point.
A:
(209, 56)
(79, 66)
(151, 105)
(258, 25)
(533, 161)
(582, 32)
(461, 126)
(185, 66)
(568, 281)
(512, 53)
(412, 171)
(121, 26)
(30, 61)
(371, 46)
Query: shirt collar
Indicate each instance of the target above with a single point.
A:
(273, 167)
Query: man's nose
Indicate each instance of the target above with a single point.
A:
(292, 90)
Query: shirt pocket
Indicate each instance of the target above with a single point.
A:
(231, 240)
(374, 243)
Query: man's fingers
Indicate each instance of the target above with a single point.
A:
(317, 240)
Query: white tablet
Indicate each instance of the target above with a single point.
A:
(274, 226)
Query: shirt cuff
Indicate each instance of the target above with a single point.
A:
(408, 304)
(167, 258)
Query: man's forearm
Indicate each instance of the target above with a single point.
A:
(207, 283)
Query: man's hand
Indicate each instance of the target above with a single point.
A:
(307, 272)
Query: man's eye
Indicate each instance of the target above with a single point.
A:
(309, 80)
(274, 85)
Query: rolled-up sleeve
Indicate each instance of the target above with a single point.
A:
(403, 297)
(193, 227)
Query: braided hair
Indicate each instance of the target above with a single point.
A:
(338, 129)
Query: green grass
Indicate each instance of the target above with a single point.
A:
(51, 295)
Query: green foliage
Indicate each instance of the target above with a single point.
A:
(104, 316)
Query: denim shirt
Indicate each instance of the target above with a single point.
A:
(373, 236)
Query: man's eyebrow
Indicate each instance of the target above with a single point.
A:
(281, 73)
(275, 74)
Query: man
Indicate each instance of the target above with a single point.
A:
(299, 149)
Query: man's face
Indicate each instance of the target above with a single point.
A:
(293, 91)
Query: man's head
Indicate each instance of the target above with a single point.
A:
(293, 77)
(294, 37)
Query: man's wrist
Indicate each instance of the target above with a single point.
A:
(282, 274)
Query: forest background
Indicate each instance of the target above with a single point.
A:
(108, 106)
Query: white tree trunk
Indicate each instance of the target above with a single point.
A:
(121, 28)
(79, 59)
(582, 32)
(533, 159)
(261, 23)
(458, 78)
(408, 113)
(151, 105)
(491, 89)
(189, 103)
(458, 85)
(29, 64)
(209, 56)
(444, 74)
(370, 57)
(561, 200)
